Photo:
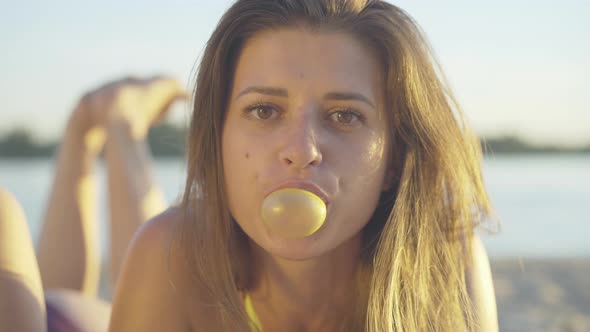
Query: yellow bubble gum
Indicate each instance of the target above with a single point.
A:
(293, 213)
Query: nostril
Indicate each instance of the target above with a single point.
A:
(302, 160)
(300, 151)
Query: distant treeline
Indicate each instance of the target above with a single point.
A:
(167, 140)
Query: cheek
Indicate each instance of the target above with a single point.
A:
(243, 152)
(374, 156)
(368, 160)
(361, 182)
(239, 164)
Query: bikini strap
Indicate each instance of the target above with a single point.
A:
(254, 320)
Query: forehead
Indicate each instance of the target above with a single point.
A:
(288, 57)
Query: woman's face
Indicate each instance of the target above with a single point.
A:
(306, 107)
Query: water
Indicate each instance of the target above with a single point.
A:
(541, 200)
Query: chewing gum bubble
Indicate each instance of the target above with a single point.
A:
(293, 213)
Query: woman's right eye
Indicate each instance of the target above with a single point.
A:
(261, 112)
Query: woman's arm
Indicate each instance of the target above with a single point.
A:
(145, 299)
(481, 288)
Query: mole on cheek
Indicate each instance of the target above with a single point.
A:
(247, 155)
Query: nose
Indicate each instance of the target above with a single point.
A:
(300, 148)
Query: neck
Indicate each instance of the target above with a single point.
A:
(305, 295)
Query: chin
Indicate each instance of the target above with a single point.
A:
(316, 245)
(296, 249)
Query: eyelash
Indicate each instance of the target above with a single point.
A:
(360, 117)
(249, 109)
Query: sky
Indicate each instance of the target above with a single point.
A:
(517, 67)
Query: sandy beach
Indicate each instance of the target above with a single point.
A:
(543, 294)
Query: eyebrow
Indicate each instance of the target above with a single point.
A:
(264, 90)
(282, 92)
(348, 96)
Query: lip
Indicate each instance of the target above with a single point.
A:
(304, 185)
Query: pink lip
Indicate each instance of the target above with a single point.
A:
(304, 185)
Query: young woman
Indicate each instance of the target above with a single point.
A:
(342, 99)
(339, 98)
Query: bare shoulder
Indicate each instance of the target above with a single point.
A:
(156, 291)
(146, 296)
(481, 287)
(159, 229)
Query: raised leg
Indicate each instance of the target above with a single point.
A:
(67, 250)
(133, 194)
(120, 112)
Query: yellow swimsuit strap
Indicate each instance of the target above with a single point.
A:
(254, 321)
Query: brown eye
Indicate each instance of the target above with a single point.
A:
(263, 112)
(345, 117)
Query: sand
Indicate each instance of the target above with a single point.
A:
(542, 294)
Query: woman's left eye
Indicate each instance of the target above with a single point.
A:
(346, 117)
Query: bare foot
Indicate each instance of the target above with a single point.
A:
(137, 103)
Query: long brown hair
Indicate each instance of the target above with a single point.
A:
(415, 253)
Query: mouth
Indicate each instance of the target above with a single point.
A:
(303, 185)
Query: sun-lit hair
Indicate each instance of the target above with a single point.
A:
(412, 276)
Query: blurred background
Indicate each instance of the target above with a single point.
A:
(520, 70)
